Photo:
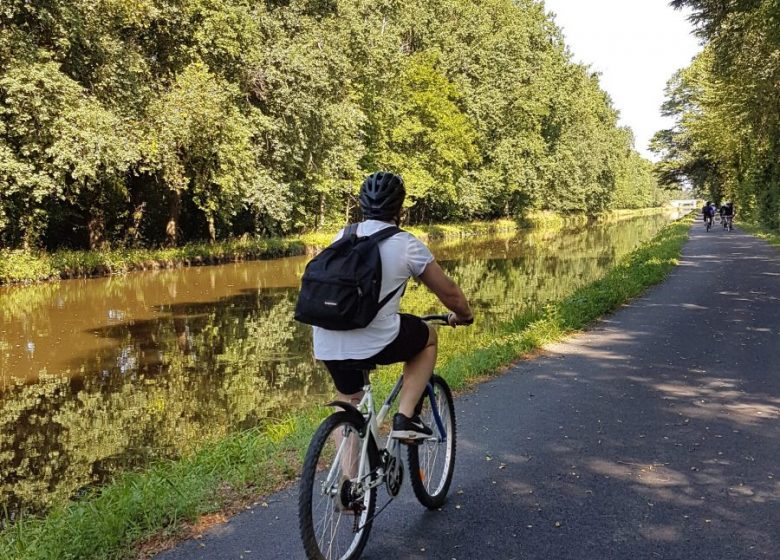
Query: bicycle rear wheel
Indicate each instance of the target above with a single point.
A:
(334, 514)
(432, 461)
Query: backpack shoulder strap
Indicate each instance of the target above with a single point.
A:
(385, 299)
(383, 234)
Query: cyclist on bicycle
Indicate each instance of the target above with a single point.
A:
(392, 336)
(727, 214)
(707, 212)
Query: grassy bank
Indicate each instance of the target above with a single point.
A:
(554, 221)
(19, 266)
(426, 232)
(539, 220)
(110, 521)
(770, 235)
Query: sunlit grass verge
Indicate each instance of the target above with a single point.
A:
(18, 266)
(21, 266)
(770, 235)
(159, 502)
(427, 232)
(537, 219)
(553, 221)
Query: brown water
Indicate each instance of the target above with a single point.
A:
(103, 375)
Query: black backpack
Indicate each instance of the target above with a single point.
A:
(340, 286)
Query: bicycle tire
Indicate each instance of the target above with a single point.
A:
(430, 488)
(315, 464)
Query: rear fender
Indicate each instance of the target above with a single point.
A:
(353, 412)
(357, 416)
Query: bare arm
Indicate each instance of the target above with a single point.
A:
(447, 291)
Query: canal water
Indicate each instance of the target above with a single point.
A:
(103, 375)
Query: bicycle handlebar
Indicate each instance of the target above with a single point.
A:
(442, 319)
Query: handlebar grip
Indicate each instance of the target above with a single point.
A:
(440, 318)
(444, 319)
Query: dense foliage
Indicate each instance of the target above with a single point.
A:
(726, 142)
(132, 122)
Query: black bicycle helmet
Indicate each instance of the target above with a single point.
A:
(382, 196)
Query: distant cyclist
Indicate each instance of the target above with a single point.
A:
(392, 336)
(708, 212)
(727, 215)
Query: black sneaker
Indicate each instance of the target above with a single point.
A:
(409, 429)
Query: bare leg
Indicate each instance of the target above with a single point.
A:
(351, 455)
(417, 373)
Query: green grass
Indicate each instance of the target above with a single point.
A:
(21, 266)
(427, 232)
(17, 266)
(110, 521)
(538, 220)
(770, 235)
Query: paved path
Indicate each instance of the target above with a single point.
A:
(656, 435)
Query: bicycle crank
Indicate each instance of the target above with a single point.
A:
(394, 477)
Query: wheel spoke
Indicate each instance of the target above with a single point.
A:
(327, 529)
(432, 460)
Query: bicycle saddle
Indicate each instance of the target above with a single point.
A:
(362, 365)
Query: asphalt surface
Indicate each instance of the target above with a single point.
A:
(654, 435)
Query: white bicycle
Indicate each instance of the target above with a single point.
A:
(345, 464)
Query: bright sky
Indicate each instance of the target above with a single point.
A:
(636, 46)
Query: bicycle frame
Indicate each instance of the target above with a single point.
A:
(373, 421)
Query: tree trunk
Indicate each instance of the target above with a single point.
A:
(347, 210)
(138, 205)
(134, 233)
(31, 228)
(321, 217)
(174, 211)
(212, 227)
(96, 226)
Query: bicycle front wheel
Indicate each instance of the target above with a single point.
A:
(334, 510)
(432, 461)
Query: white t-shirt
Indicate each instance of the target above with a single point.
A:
(403, 256)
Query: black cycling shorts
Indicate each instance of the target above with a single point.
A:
(411, 339)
